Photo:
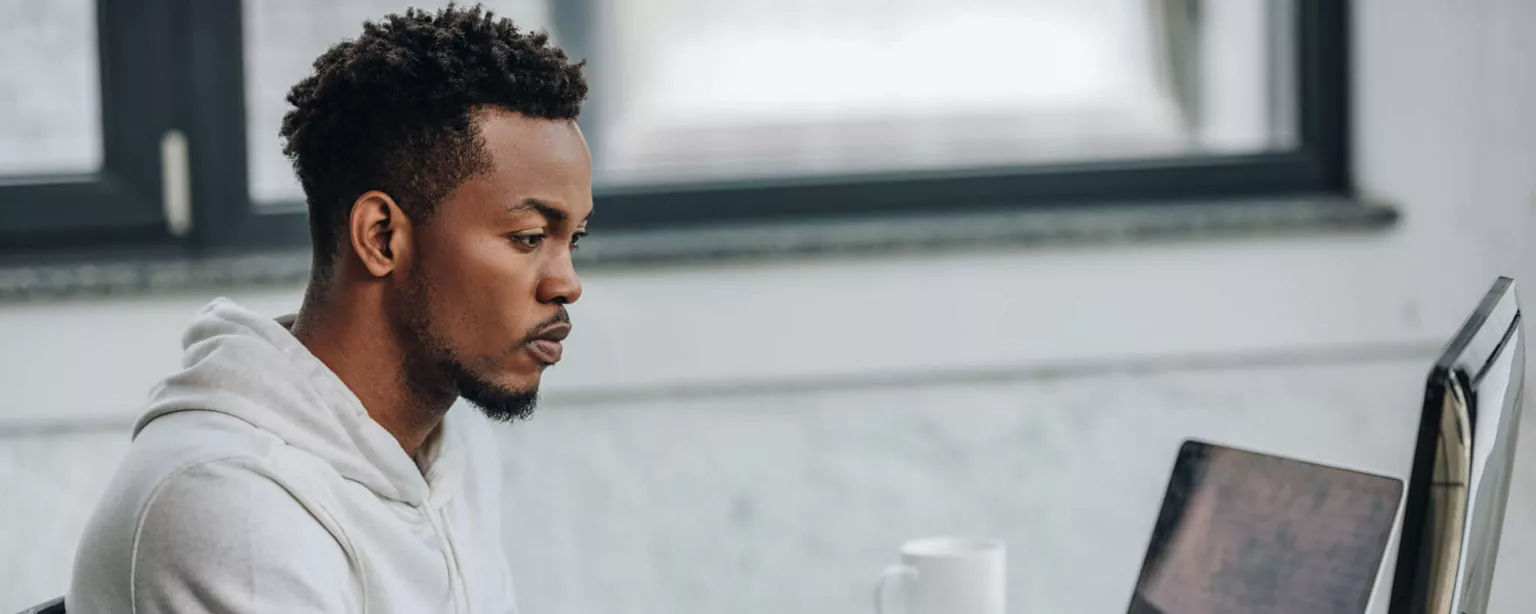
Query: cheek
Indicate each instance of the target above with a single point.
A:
(489, 301)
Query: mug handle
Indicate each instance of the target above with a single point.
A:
(891, 573)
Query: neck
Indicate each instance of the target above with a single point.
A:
(347, 333)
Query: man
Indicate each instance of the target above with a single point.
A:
(311, 463)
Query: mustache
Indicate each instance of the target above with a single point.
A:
(561, 317)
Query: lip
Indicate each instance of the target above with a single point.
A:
(546, 347)
(556, 333)
(545, 350)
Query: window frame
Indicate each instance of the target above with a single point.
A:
(121, 202)
(1317, 166)
(208, 78)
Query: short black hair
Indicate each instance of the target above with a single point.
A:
(394, 110)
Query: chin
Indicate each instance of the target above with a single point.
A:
(505, 399)
(520, 382)
(502, 393)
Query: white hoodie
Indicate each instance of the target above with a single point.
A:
(256, 482)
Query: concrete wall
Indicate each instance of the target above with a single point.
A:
(759, 437)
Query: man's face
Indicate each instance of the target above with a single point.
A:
(483, 305)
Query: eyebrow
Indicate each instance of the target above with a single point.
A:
(550, 212)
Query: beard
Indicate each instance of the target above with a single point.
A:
(497, 402)
(432, 367)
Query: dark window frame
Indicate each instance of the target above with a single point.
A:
(209, 77)
(1318, 165)
(121, 202)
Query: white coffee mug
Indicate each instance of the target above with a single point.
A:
(947, 575)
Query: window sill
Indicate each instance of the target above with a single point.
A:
(154, 273)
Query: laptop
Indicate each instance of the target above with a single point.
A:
(1244, 531)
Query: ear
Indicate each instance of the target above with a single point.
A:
(380, 233)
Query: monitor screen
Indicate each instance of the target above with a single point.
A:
(1246, 532)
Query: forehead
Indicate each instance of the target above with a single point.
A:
(541, 159)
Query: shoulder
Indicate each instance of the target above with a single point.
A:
(226, 494)
(216, 472)
(202, 510)
(175, 442)
(226, 531)
(202, 460)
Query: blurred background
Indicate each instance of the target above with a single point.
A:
(862, 270)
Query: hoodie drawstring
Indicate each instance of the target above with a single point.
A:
(451, 554)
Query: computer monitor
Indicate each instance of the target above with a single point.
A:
(1463, 460)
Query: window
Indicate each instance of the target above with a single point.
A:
(82, 138)
(56, 106)
(702, 111)
(755, 109)
(282, 38)
(764, 88)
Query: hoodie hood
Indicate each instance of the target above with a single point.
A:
(240, 363)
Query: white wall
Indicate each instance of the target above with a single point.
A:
(756, 437)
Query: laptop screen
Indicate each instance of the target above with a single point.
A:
(1247, 532)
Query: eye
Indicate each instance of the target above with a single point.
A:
(529, 241)
(576, 240)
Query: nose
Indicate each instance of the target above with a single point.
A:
(560, 285)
